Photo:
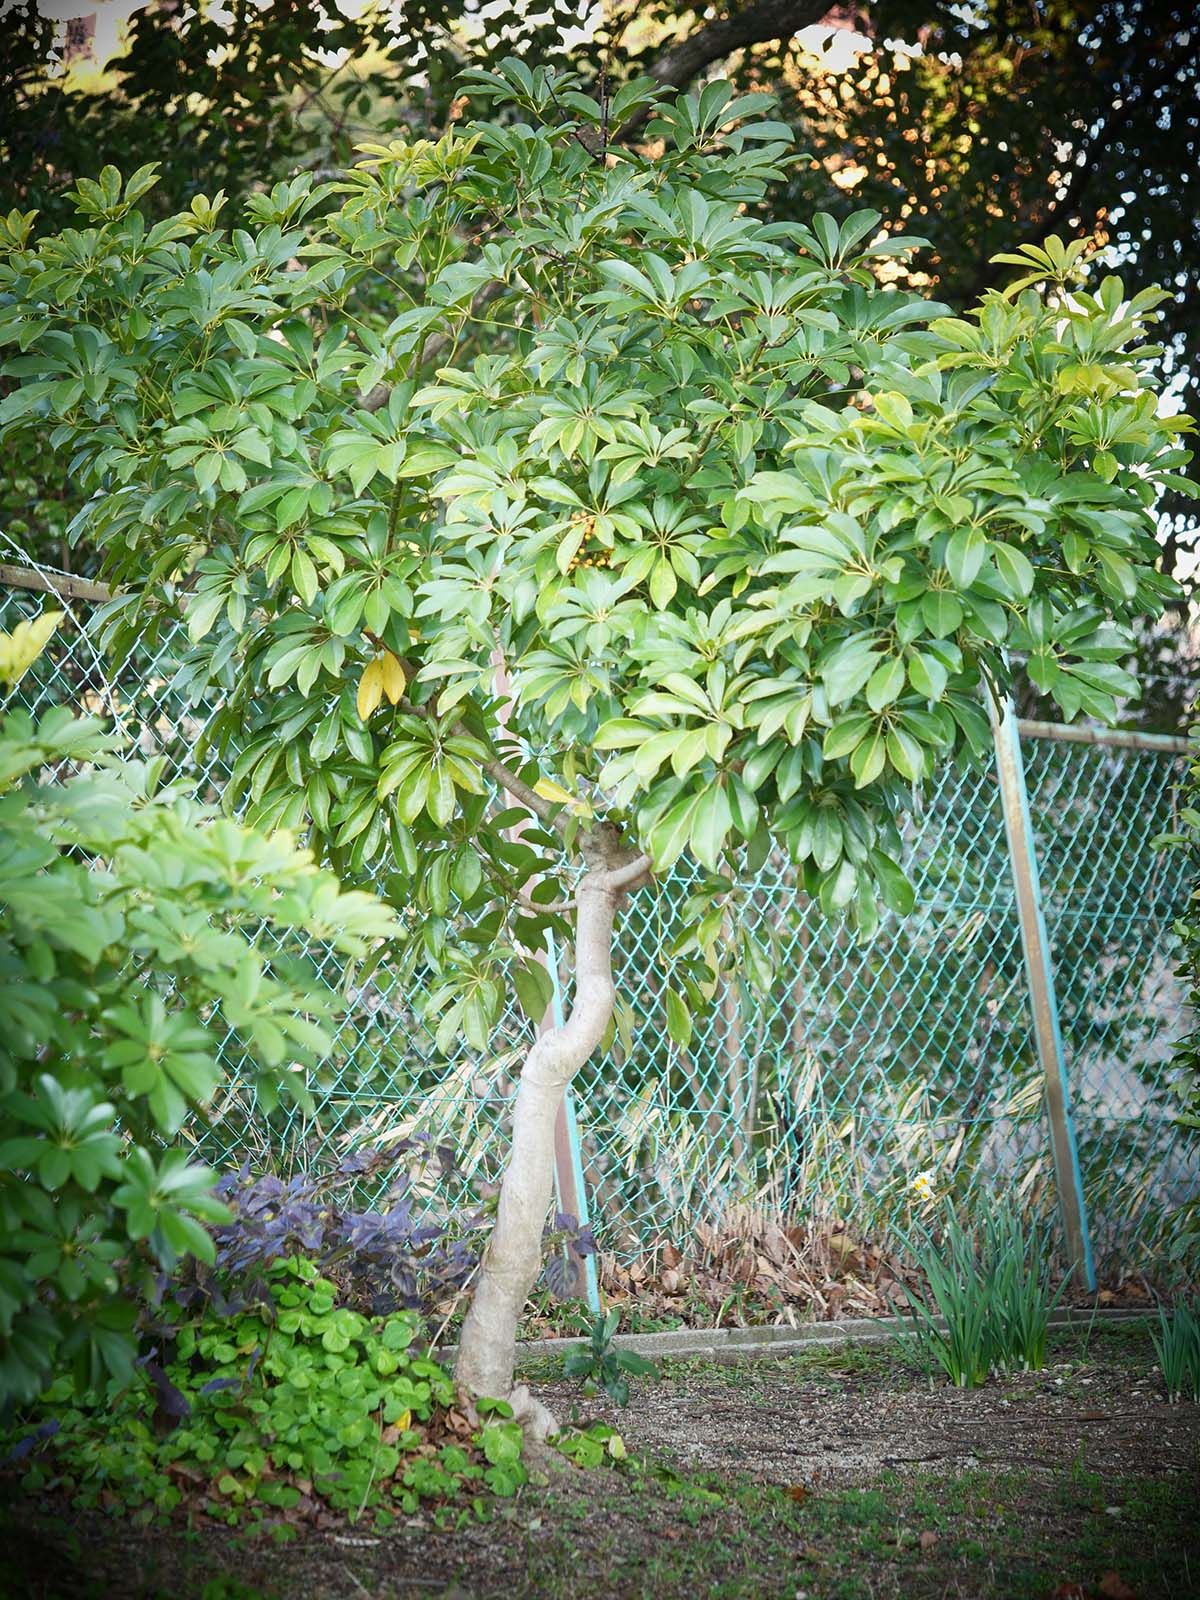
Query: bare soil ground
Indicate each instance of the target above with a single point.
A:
(849, 1420)
(837, 1475)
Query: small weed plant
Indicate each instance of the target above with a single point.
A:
(292, 1410)
(600, 1365)
(988, 1303)
(1177, 1346)
(596, 1445)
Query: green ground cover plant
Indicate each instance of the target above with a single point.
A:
(271, 1415)
(137, 929)
(988, 1297)
(1177, 1346)
(600, 1365)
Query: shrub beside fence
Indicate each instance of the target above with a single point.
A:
(859, 1067)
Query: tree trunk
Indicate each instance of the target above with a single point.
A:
(487, 1350)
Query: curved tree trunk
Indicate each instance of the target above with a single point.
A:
(487, 1350)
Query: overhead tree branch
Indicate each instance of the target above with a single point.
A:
(760, 22)
(757, 23)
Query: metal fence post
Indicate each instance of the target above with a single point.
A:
(1043, 1004)
(568, 1154)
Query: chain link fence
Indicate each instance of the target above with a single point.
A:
(862, 1065)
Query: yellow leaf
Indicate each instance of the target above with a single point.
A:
(616, 1447)
(21, 648)
(549, 790)
(370, 688)
(393, 678)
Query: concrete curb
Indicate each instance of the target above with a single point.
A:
(750, 1344)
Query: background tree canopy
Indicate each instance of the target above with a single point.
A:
(976, 126)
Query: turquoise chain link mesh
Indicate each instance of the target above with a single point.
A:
(859, 1067)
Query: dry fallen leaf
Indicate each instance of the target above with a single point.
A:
(1113, 1587)
(798, 1492)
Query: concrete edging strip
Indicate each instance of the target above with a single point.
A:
(774, 1343)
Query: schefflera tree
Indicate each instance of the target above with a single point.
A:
(634, 520)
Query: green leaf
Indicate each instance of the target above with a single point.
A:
(710, 825)
(534, 986)
(927, 675)
(885, 684)
(867, 760)
(679, 1019)
(1014, 570)
(942, 613)
(965, 553)
(897, 891)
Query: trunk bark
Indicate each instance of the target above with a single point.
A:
(487, 1349)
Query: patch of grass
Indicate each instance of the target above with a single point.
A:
(997, 1537)
(654, 1533)
(46, 1558)
(1112, 1339)
(1124, 1342)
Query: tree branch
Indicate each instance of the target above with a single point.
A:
(627, 876)
(438, 342)
(544, 909)
(528, 797)
(756, 23)
(631, 875)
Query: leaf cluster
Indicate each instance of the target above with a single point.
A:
(600, 1365)
(273, 1421)
(752, 535)
(139, 933)
(1177, 1346)
(1069, 120)
(989, 1298)
(370, 1225)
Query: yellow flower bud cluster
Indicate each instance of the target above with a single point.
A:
(598, 556)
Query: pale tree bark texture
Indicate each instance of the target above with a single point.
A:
(513, 1258)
